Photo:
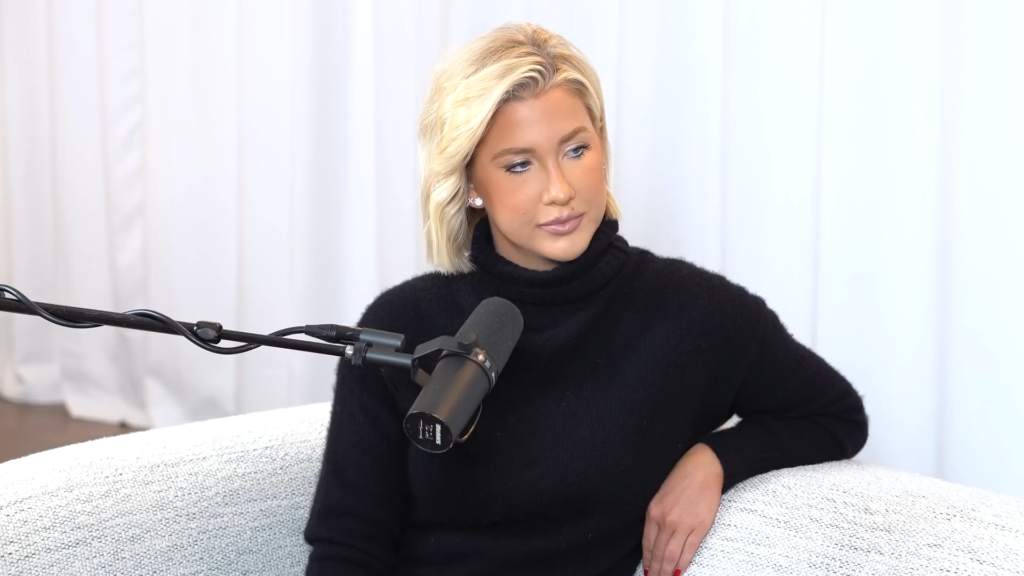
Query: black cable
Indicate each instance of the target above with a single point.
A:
(145, 313)
(43, 313)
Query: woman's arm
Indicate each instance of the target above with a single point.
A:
(359, 507)
(796, 409)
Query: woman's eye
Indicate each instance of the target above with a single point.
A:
(518, 167)
(577, 152)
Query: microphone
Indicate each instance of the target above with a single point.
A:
(455, 390)
(466, 371)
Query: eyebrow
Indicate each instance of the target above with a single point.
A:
(510, 151)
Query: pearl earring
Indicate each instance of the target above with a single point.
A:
(477, 202)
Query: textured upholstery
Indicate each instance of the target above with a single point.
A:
(231, 496)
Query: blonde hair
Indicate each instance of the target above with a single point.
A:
(512, 62)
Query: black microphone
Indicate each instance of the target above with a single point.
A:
(466, 371)
(459, 382)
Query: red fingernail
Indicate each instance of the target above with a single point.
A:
(678, 572)
(645, 571)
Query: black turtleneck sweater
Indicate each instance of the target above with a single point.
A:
(627, 360)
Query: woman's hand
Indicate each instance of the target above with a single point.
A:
(682, 512)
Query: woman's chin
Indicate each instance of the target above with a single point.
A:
(566, 250)
(580, 241)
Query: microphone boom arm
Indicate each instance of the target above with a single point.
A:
(358, 345)
(341, 340)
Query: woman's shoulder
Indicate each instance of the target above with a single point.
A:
(421, 303)
(680, 276)
(678, 288)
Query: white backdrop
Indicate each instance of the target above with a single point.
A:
(859, 164)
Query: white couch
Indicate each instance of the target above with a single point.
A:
(231, 496)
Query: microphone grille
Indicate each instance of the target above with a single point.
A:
(495, 325)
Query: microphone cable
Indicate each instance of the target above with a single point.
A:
(209, 331)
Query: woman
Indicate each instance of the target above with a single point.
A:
(600, 447)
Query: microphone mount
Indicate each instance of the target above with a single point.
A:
(357, 345)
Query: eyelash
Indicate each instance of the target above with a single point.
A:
(581, 149)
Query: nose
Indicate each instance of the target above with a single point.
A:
(559, 190)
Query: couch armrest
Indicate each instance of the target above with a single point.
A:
(224, 496)
(851, 517)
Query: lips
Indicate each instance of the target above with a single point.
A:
(563, 224)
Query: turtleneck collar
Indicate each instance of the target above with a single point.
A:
(603, 259)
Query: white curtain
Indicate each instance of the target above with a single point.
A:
(859, 164)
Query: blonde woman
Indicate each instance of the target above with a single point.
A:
(600, 449)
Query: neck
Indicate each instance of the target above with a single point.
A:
(604, 258)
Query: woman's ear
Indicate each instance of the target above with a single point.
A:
(475, 201)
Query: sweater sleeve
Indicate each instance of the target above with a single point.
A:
(359, 506)
(795, 408)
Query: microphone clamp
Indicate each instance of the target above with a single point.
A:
(452, 345)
